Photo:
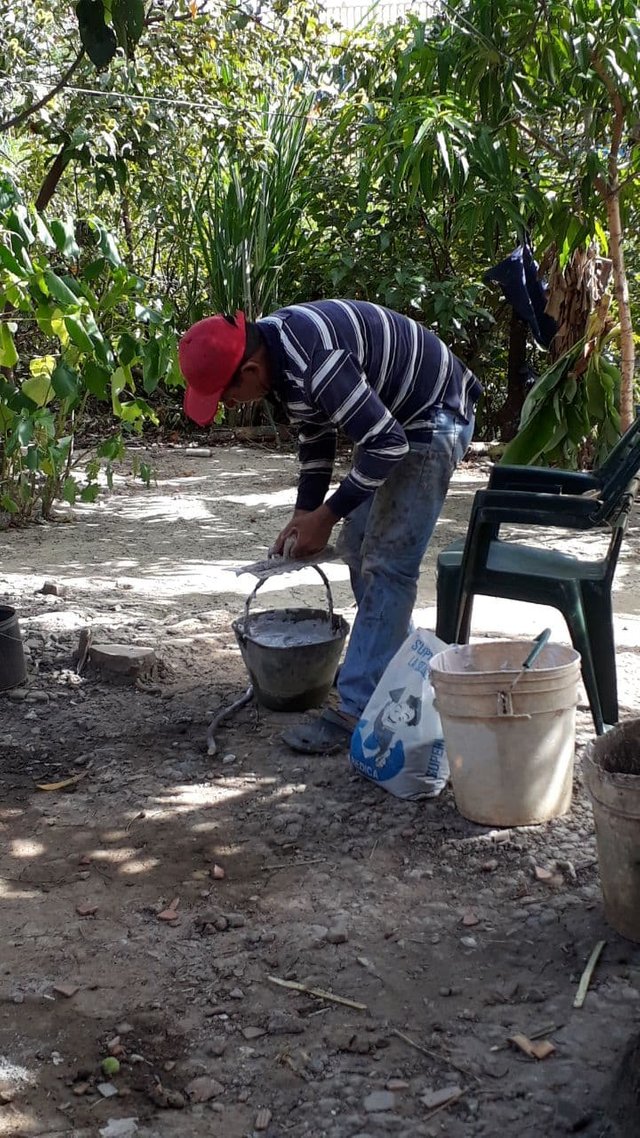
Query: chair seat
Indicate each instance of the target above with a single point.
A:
(524, 560)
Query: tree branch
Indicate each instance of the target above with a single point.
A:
(548, 146)
(18, 119)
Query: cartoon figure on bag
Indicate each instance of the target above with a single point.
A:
(382, 745)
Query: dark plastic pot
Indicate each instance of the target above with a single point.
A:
(13, 668)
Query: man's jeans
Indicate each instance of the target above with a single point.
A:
(383, 542)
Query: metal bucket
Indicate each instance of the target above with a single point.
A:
(612, 775)
(291, 655)
(13, 668)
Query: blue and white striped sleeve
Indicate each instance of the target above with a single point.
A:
(317, 452)
(337, 386)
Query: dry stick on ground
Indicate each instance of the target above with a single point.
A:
(585, 979)
(434, 1055)
(318, 992)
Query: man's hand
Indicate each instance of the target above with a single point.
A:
(311, 530)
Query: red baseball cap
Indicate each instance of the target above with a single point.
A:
(209, 354)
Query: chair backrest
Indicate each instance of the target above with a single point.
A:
(618, 470)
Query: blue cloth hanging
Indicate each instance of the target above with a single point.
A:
(527, 295)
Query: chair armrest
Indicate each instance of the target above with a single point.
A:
(542, 479)
(569, 511)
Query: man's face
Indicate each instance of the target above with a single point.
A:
(250, 383)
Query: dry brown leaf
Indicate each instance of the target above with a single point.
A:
(171, 911)
(63, 784)
(541, 1049)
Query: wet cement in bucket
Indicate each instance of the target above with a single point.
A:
(273, 630)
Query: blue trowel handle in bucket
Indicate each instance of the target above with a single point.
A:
(538, 645)
(505, 705)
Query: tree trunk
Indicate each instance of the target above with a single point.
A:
(508, 417)
(621, 290)
(573, 295)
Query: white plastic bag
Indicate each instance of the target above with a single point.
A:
(398, 741)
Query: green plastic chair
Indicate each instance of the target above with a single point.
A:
(581, 589)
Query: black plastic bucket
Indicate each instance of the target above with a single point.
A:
(13, 668)
(295, 673)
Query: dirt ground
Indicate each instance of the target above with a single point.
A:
(442, 929)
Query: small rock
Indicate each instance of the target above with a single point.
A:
(18, 694)
(379, 1101)
(236, 920)
(253, 1032)
(81, 1088)
(51, 589)
(107, 1090)
(468, 942)
(282, 1024)
(119, 1128)
(228, 759)
(175, 1100)
(65, 989)
(236, 994)
(124, 1028)
(432, 1099)
(123, 659)
(490, 865)
(263, 1119)
(337, 935)
(397, 1085)
(217, 1046)
(203, 1089)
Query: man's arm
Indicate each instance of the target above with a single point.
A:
(340, 390)
(317, 452)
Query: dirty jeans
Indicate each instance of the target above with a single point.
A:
(383, 542)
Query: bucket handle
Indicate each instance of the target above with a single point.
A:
(319, 571)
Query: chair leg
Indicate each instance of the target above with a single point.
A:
(599, 617)
(465, 610)
(446, 603)
(574, 614)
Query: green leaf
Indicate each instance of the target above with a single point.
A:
(64, 236)
(38, 389)
(151, 366)
(96, 379)
(98, 40)
(533, 439)
(65, 382)
(128, 349)
(90, 493)
(69, 490)
(79, 334)
(58, 289)
(106, 242)
(8, 353)
(9, 262)
(18, 222)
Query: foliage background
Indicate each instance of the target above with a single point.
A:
(254, 154)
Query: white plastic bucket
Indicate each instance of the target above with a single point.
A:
(511, 753)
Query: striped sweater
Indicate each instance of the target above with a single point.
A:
(369, 372)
